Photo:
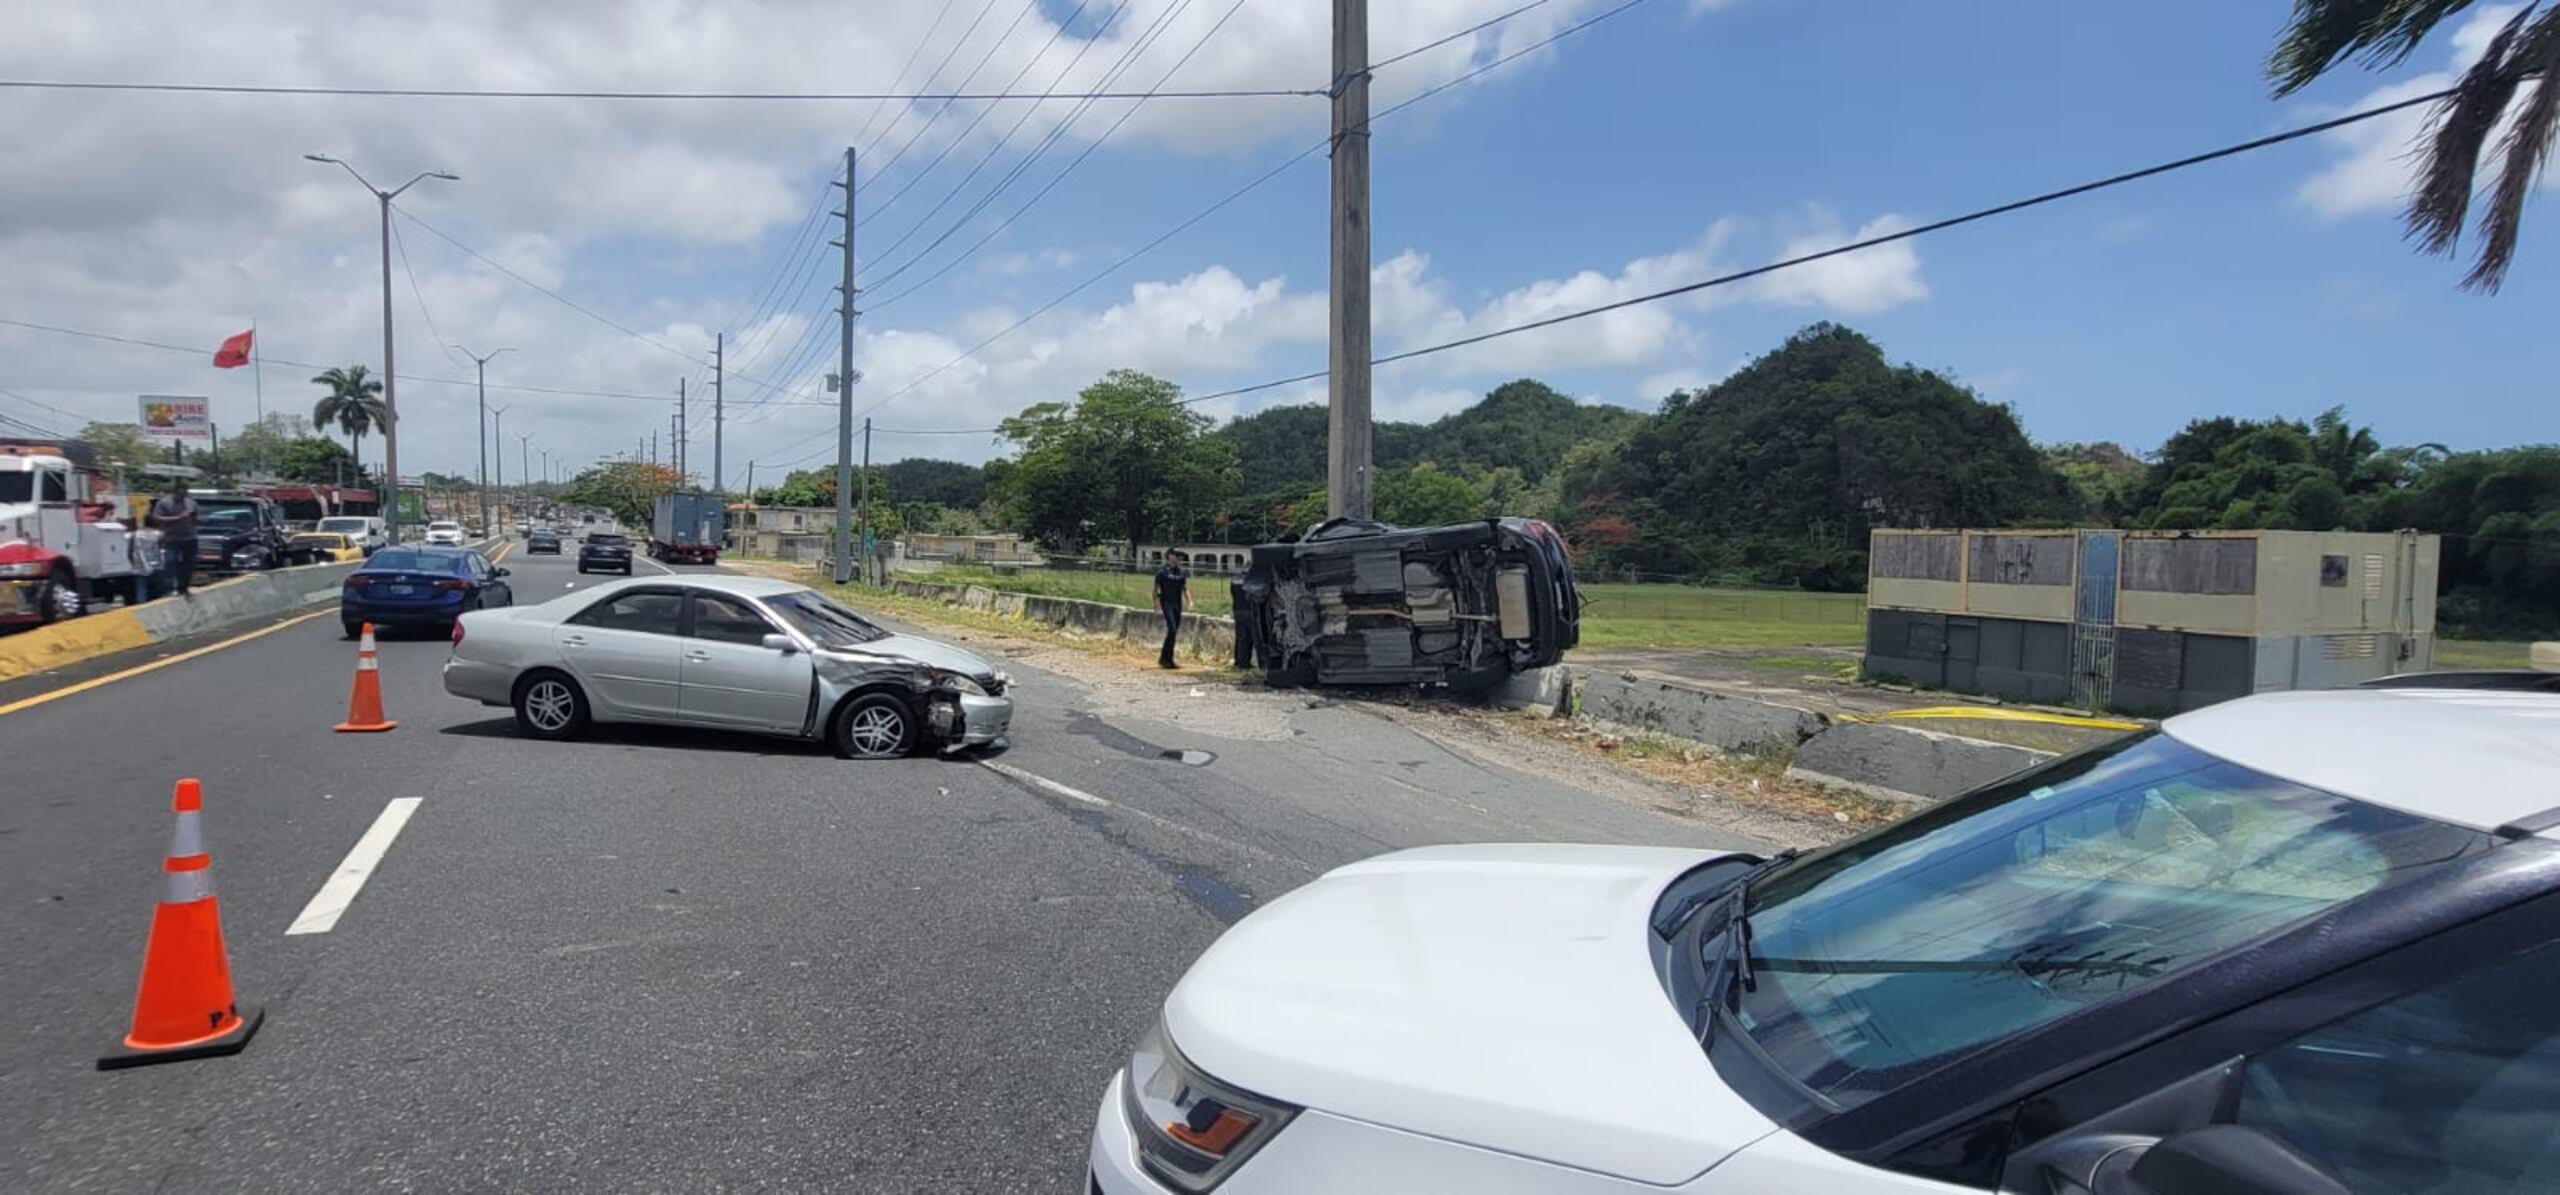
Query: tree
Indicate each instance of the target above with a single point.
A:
(353, 404)
(629, 489)
(119, 445)
(315, 461)
(2324, 33)
(1424, 496)
(1778, 472)
(1125, 459)
(943, 483)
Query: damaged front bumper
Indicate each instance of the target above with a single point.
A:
(958, 721)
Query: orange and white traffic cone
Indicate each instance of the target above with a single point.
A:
(184, 1008)
(364, 705)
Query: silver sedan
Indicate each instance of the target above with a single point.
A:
(740, 653)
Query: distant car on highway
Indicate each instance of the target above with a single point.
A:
(423, 586)
(2298, 942)
(325, 547)
(444, 534)
(742, 653)
(605, 552)
(366, 530)
(544, 542)
(240, 533)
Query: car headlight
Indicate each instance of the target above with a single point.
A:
(958, 682)
(245, 556)
(31, 568)
(1193, 1131)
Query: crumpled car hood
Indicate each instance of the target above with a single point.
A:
(927, 652)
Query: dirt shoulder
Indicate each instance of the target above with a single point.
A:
(1739, 794)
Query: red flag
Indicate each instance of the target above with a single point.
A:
(234, 352)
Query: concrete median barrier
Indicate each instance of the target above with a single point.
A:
(1905, 763)
(1007, 605)
(222, 605)
(1052, 611)
(1719, 720)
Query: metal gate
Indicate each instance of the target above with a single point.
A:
(2093, 621)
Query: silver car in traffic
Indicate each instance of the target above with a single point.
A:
(740, 653)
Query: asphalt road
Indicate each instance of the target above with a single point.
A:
(654, 960)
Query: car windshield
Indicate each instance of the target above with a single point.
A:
(231, 514)
(824, 622)
(345, 526)
(17, 487)
(2095, 876)
(405, 560)
(603, 540)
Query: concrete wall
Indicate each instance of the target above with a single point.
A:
(1905, 764)
(1720, 720)
(219, 606)
(1204, 638)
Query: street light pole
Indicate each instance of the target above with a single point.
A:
(488, 513)
(390, 383)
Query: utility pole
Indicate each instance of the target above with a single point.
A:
(488, 513)
(390, 376)
(866, 500)
(653, 449)
(498, 432)
(1347, 427)
(751, 481)
(844, 389)
(524, 447)
(679, 433)
(719, 480)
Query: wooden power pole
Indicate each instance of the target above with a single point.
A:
(1347, 427)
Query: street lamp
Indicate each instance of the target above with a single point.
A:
(390, 386)
(487, 513)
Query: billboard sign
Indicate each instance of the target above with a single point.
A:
(167, 417)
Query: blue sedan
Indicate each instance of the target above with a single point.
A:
(421, 586)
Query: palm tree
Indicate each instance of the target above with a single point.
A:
(2324, 33)
(354, 404)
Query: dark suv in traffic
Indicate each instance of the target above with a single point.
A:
(605, 552)
(542, 542)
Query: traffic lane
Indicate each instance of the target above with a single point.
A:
(682, 961)
(1296, 783)
(85, 823)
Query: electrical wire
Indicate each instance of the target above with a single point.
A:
(1258, 93)
(402, 244)
(1979, 214)
(1438, 42)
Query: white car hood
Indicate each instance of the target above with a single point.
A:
(1501, 996)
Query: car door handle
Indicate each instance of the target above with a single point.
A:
(573, 641)
(697, 654)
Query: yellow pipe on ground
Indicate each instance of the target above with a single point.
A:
(1994, 714)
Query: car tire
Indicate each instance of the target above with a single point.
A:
(353, 627)
(549, 705)
(873, 726)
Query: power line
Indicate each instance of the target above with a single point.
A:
(1145, 42)
(954, 143)
(1979, 214)
(460, 93)
(1438, 42)
(402, 243)
(882, 170)
(200, 351)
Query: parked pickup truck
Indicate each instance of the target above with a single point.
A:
(1365, 603)
(242, 533)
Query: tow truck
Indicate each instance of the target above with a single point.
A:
(62, 546)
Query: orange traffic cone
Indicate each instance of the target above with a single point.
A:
(184, 1008)
(364, 705)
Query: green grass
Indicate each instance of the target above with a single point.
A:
(2481, 653)
(1620, 615)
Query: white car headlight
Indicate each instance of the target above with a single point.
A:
(1193, 1131)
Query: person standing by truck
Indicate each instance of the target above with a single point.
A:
(1173, 591)
(174, 515)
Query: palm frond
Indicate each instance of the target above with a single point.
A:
(2460, 128)
(2323, 33)
(2523, 152)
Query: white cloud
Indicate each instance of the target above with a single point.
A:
(2378, 159)
(1860, 283)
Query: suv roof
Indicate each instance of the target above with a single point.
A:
(2483, 758)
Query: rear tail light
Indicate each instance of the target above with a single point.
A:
(453, 583)
(359, 581)
(457, 631)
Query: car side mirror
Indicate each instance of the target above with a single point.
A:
(2222, 1159)
(499, 572)
(781, 643)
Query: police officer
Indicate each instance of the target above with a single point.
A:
(1173, 591)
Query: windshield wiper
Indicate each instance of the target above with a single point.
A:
(1730, 975)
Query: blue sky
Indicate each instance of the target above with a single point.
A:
(1669, 142)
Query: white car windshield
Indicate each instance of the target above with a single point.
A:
(1899, 951)
(824, 622)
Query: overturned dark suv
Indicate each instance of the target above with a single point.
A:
(1363, 603)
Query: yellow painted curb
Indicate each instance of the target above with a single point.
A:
(69, 642)
(1993, 714)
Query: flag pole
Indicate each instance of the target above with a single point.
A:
(257, 383)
